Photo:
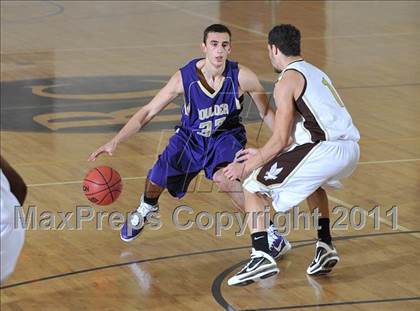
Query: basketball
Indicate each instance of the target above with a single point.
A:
(102, 185)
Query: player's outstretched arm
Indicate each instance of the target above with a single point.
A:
(163, 98)
(248, 82)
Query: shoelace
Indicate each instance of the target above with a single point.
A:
(143, 210)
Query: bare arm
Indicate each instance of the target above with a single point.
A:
(285, 91)
(248, 82)
(163, 98)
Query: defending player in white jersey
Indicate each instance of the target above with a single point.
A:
(13, 193)
(325, 149)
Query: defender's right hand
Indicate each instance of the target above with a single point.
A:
(109, 148)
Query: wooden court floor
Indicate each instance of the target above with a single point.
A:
(73, 72)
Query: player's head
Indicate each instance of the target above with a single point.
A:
(216, 44)
(283, 42)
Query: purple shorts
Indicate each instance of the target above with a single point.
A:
(188, 153)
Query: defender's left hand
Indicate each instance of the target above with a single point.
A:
(234, 171)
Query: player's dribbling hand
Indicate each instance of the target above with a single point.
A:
(109, 148)
(245, 154)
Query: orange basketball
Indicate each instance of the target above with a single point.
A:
(102, 185)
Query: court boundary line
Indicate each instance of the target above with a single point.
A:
(72, 182)
(381, 219)
(388, 161)
(187, 44)
(141, 177)
(330, 198)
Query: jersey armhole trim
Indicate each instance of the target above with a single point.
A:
(304, 86)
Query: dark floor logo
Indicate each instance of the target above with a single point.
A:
(89, 104)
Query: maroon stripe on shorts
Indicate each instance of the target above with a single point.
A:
(277, 170)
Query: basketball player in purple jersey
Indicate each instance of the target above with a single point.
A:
(210, 133)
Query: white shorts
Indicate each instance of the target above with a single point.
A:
(292, 176)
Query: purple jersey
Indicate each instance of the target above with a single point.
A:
(205, 111)
(210, 133)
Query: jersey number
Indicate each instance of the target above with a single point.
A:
(333, 92)
(207, 126)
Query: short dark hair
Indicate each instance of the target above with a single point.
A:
(286, 38)
(216, 28)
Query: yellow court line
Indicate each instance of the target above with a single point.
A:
(192, 44)
(136, 156)
(388, 161)
(140, 177)
(73, 182)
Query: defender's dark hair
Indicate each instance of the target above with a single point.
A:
(216, 28)
(286, 38)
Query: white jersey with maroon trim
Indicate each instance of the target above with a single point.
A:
(322, 114)
(12, 233)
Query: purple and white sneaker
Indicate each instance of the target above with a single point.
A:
(278, 244)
